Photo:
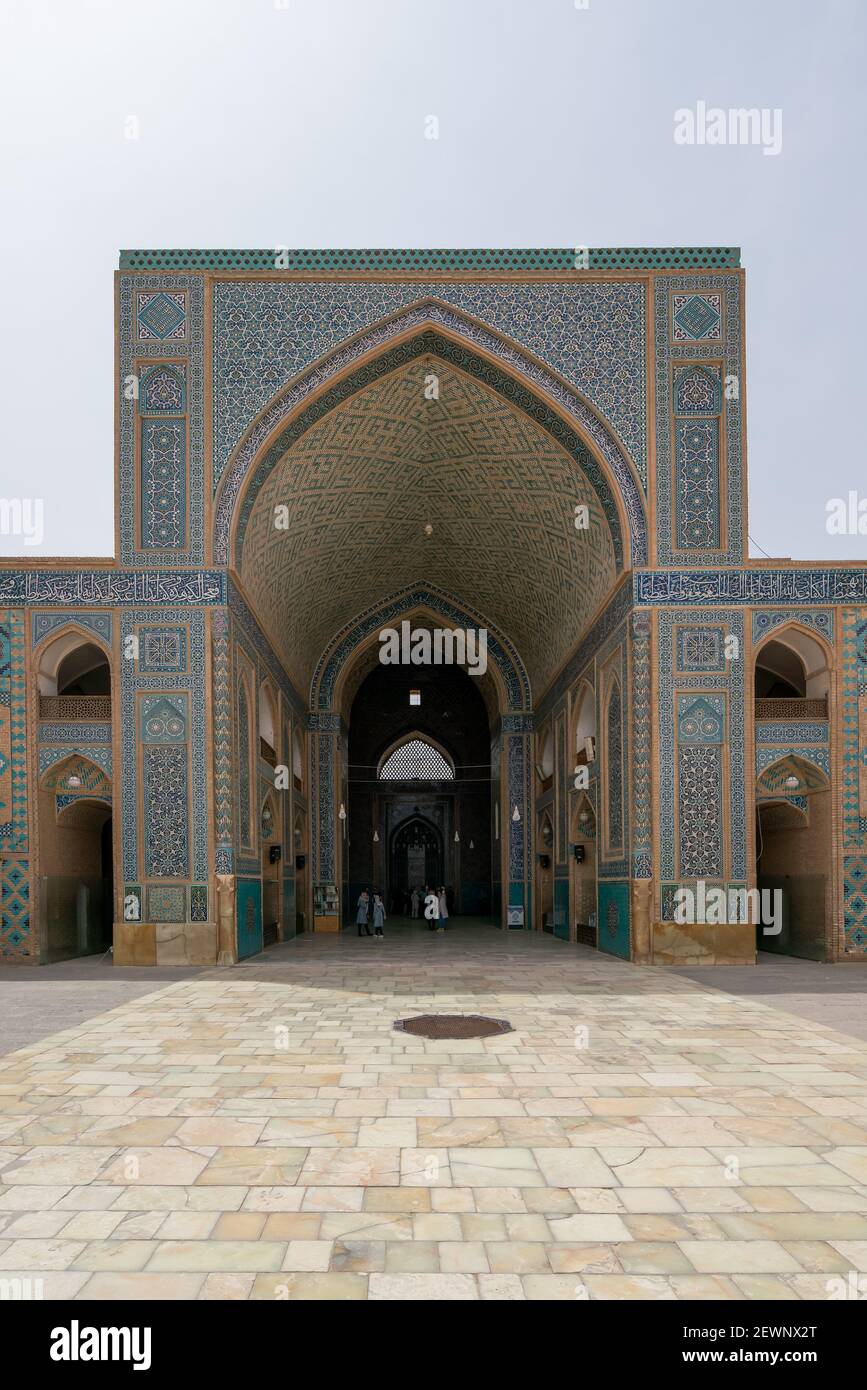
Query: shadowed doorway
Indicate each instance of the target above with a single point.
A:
(416, 859)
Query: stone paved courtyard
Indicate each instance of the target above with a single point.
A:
(264, 1133)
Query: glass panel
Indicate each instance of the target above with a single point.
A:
(75, 915)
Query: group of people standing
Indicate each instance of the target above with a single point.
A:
(362, 916)
(431, 902)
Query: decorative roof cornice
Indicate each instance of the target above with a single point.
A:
(533, 261)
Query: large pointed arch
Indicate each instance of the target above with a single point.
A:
(430, 325)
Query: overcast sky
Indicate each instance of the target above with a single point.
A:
(301, 123)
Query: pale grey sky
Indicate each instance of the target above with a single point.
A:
(302, 123)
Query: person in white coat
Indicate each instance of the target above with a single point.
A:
(444, 911)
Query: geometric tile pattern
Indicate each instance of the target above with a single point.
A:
(178, 712)
(162, 649)
(13, 733)
(715, 719)
(266, 332)
(199, 903)
(791, 731)
(163, 533)
(5, 765)
(697, 391)
(700, 733)
(700, 793)
(611, 673)
(221, 716)
(697, 484)
(767, 619)
(163, 483)
(697, 322)
(163, 718)
(700, 649)
(161, 315)
(817, 757)
(44, 623)
(854, 722)
(245, 741)
(479, 258)
(14, 906)
(696, 317)
(498, 486)
(614, 767)
(166, 902)
(163, 390)
(165, 798)
(700, 719)
(855, 898)
(642, 806)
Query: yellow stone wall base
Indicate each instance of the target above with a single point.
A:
(698, 943)
(135, 943)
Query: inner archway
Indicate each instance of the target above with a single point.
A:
(416, 862)
(793, 859)
(419, 788)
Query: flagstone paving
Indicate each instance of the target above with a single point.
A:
(263, 1133)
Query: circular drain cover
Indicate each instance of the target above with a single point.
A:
(453, 1026)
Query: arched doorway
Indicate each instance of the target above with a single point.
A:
(419, 785)
(793, 859)
(416, 861)
(76, 888)
(794, 811)
(75, 796)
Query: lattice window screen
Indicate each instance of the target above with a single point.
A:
(416, 760)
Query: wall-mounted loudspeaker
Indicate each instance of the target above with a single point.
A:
(300, 861)
(578, 851)
(273, 854)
